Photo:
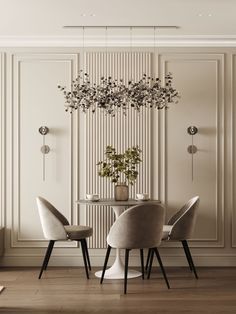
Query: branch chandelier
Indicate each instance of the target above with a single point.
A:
(112, 95)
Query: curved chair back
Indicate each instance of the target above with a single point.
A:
(183, 221)
(52, 220)
(138, 227)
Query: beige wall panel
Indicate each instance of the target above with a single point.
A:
(233, 94)
(2, 139)
(120, 131)
(38, 102)
(28, 92)
(199, 79)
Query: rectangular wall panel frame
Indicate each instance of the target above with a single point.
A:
(2, 139)
(16, 60)
(218, 59)
(233, 151)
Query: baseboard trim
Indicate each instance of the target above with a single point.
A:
(73, 261)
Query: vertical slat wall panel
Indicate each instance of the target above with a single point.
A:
(119, 131)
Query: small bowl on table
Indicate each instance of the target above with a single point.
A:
(142, 197)
(92, 197)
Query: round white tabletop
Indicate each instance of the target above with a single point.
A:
(112, 202)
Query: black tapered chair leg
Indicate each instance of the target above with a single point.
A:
(187, 255)
(49, 254)
(191, 259)
(105, 263)
(47, 257)
(142, 262)
(162, 267)
(126, 269)
(87, 254)
(148, 259)
(150, 263)
(84, 257)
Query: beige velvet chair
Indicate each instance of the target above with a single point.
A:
(180, 228)
(139, 227)
(57, 228)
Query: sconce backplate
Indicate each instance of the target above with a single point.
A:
(192, 130)
(43, 130)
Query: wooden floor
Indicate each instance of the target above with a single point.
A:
(65, 290)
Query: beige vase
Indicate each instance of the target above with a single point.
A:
(121, 192)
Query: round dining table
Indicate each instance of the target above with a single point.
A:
(116, 271)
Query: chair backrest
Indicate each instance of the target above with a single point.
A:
(183, 221)
(138, 227)
(52, 220)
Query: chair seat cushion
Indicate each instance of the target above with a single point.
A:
(78, 232)
(166, 231)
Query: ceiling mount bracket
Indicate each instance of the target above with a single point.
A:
(122, 26)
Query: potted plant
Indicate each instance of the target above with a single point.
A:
(121, 169)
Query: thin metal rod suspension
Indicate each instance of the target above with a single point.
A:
(192, 160)
(44, 159)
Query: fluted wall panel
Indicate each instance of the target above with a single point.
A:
(120, 131)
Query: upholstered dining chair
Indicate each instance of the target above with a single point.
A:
(57, 228)
(139, 227)
(180, 228)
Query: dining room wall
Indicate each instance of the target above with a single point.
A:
(205, 79)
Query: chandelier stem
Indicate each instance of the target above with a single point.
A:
(131, 53)
(83, 53)
(106, 38)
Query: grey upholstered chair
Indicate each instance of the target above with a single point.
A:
(57, 228)
(138, 227)
(180, 228)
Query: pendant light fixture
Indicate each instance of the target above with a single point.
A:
(149, 92)
(112, 95)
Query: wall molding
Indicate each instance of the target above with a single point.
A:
(2, 139)
(16, 62)
(120, 41)
(233, 147)
(75, 260)
(219, 239)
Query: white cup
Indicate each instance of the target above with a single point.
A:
(92, 197)
(142, 196)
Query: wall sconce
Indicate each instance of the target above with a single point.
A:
(192, 149)
(45, 149)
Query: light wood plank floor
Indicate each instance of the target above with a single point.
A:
(65, 290)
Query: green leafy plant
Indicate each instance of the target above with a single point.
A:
(117, 164)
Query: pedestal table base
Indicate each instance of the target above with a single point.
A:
(117, 270)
